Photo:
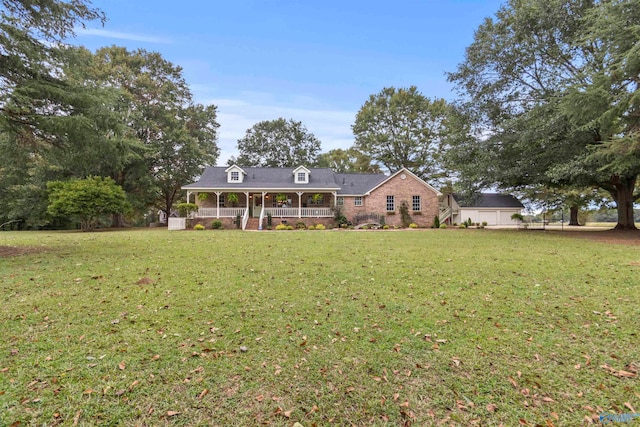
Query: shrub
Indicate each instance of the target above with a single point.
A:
(463, 225)
(311, 227)
(300, 225)
(186, 208)
(281, 227)
(404, 214)
(517, 217)
(320, 227)
(484, 223)
(289, 227)
(443, 226)
(436, 221)
(269, 220)
(329, 226)
(413, 225)
(216, 224)
(198, 227)
(385, 227)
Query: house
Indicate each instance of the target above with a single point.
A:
(309, 195)
(492, 208)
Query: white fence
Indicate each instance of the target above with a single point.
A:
(177, 224)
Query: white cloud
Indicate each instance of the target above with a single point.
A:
(236, 115)
(120, 35)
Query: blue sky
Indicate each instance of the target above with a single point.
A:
(312, 61)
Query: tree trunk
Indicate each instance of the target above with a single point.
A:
(117, 221)
(573, 215)
(623, 196)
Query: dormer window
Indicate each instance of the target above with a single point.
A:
(235, 174)
(301, 175)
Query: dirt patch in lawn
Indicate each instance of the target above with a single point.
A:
(11, 251)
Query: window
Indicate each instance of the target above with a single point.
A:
(340, 201)
(302, 177)
(357, 201)
(417, 205)
(391, 203)
(235, 176)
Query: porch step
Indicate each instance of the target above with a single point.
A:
(253, 223)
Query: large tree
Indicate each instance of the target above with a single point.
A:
(551, 89)
(32, 91)
(277, 143)
(349, 160)
(402, 128)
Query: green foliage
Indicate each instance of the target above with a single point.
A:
(436, 222)
(311, 227)
(484, 223)
(443, 226)
(185, 209)
(300, 225)
(86, 200)
(269, 220)
(216, 224)
(232, 198)
(277, 143)
(517, 217)
(203, 196)
(405, 218)
(281, 198)
(281, 227)
(413, 225)
(402, 128)
(198, 227)
(347, 161)
(385, 227)
(320, 227)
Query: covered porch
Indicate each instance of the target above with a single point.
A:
(260, 204)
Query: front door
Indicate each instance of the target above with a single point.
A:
(256, 205)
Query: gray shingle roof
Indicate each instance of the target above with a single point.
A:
(489, 200)
(215, 177)
(357, 183)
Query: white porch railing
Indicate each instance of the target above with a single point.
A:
(245, 219)
(224, 212)
(303, 212)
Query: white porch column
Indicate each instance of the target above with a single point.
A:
(299, 193)
(246, 198)
(188, 195)
(335, 198)
(218, 193)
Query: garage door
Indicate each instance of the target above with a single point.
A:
(488, 217)
(505, 218)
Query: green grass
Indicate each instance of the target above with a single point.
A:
(364, 328)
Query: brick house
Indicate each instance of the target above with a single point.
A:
(309, 195)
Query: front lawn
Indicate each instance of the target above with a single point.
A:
(453, 327)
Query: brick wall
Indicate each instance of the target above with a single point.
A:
(403, 190)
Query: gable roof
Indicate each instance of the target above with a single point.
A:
(407, 171)
(215, 177)
(489, 200)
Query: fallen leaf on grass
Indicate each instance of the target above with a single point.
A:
(491, 407)
(618, 373)
(76, 419)
(203, 393)
(122, 365)
(513, 382)
(628, 405)
(173, 413)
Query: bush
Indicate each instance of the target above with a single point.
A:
(436, 222)
(281, 227)
(320, 227)
(484, 223)
(443, 226)
(413, 225)
(289, 227)
(186, 208)
(385, 227)
(463, 225)
(311, 227)
(198, 227)
(216, 224)
(300, 225)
